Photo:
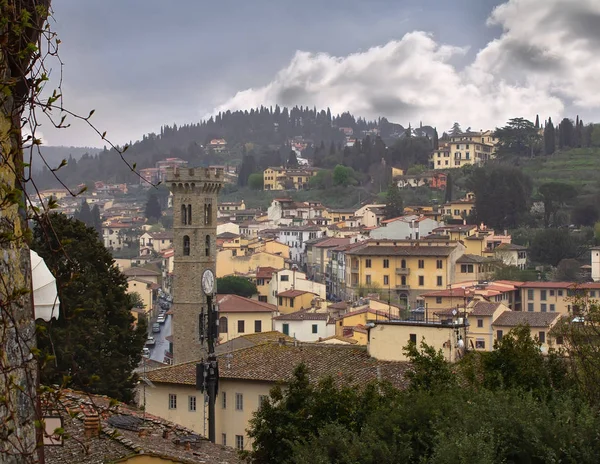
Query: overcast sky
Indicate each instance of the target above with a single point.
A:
(144, 63)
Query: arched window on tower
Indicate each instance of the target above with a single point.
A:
(207, 246)
(184, 220)
(186, 245)
(209, 214)
(223, 325)
(189, 214)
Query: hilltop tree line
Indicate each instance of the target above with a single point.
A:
(267, 127)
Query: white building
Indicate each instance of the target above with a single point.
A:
(289, 279)
(595, 263)
(411, 227)
(515, 255)
(305, 326)
(296, 237)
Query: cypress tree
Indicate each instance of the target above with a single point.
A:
(436, 141)
(96, 221)
(153, 209)
(85, 214)
(549, 138)
(449, 188)
(537, 121)
(394, 206)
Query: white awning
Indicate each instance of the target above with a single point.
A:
(45, 296)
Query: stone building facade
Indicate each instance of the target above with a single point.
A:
(195, 193)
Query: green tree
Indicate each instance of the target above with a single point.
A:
(256, 181)
(292, 160)
(93, 346)
(595, 135)
(436, 140)
(519, 137)
(84, 214)
(568, 270)
(430, 371)
(236, 285)
(566, 134)
(502, 195)
(153, 210)
(394, 206)
(550, 246)
(549, 138)
(343, 176)
(322, 180)
(449, 188)
(514, 273)
(96, 220)
(585, 214)
(456, 130)
(555, 195)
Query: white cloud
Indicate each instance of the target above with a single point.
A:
(542, 62)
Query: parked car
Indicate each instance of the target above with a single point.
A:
(156, 327)
(146, 352)
(160, 319)
(150, 340)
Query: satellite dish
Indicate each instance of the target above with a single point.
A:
(45, 297)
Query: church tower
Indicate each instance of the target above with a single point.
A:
(195, 193)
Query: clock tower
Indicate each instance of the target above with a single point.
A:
(195, 193)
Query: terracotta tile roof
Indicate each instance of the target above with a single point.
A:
(375, 250)
(533, 319)
(332, 242)
(303, 315)
(294, 293)
(453, 292)
(475, 259)
(140, 271)
(239, 304)
(227, 235)
(339, 305)
(350, 341)
(510, 246)
(125, 432)
(265, 272)
(274, 362)
(246, 341)
(484, 308)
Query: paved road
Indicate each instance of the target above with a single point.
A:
(157, 351)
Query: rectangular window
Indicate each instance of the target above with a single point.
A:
(543, 295)
(439, 264)
(224, 400)
(559, 340)
(480, 344)
(466, 268)
(257, 326)
(421, 264)
(241, 327)
(593, 293)
(262, 298)
(386, 280)
(367, 263)
(191, 403)
(280, 301)
(286, 329)
(172, 401)
(284, 278)
(292, 302)
(239, 442)
(551, 292)
(530, 307)
(499, 334)
(440, 281)
(438, 300)
(480, 323)
(239, 402)
(530, 294)
(368, 279)
(552, 308)
(542, 337)
(315, 328)
(421, 281)
(560, 293)
(224, 439)
(386, 263)
(543, 307)
(413, 338)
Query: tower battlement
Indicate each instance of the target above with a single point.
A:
(210, 174)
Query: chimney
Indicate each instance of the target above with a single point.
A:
(281, 341)
(91, 424)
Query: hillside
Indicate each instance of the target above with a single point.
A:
(55, 154)
(264, 130)
(578, 167)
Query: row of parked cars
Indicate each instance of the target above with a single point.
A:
(164, 303)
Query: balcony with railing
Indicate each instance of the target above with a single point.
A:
(403, 271)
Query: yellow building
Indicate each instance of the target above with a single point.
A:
(540, 325)
(262, 279)
(246, 377)
(556, 296)
(231, 206)
(228, 264)
(469, 148)
(291, 301)
(353, 325)
(388, 338)
(406, 267)
(459, 209)
(475, 268)
(241, 316)
(456, 232)
(280, 178)
(481, 315)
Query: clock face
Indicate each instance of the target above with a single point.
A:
(208, 282)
